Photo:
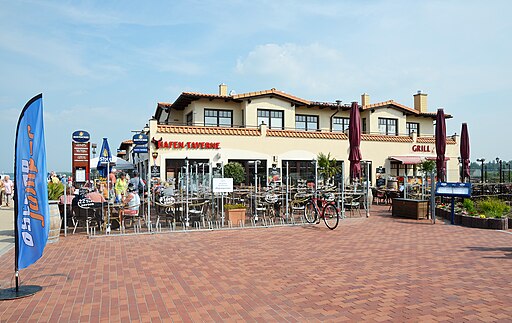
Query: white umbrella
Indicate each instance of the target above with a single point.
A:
(118, 163)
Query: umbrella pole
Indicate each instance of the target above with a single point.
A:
(107, 230)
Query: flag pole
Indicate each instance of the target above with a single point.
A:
(26, 290)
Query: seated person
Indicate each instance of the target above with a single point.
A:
(131, 201)
(168, 190)
(70, 193)
(95, 196)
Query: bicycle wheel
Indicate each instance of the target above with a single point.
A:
(310, 213)
(331, 216)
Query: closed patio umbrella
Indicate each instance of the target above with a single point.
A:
(464, 152)
(440, 145)
(354, 137)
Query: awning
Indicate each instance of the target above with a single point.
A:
(413, 160)
(407, 160)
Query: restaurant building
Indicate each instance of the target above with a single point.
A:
(282, 131)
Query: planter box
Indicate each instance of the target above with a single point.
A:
(497, 224)
(235, 216)
(466, 221)
(488, 223)
(407, 208)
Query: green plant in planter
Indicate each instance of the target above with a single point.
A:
(469, 205)
(233, 206)
(235, 171)
(493, 207)
(55, 190)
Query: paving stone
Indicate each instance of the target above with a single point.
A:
(369, 269)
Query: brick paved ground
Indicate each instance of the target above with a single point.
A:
(375, 269)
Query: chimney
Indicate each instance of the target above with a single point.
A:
(365, 99)
(223, 89)
(420, 102)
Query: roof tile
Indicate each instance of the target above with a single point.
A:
(194, 130)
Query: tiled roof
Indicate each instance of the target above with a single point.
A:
(306, 134)
(271, 91)
(369, 137)
(432, 140)
(403, 107)
(127, 142)
(208, 130)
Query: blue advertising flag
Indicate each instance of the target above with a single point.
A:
(104, 159)
(32, 216)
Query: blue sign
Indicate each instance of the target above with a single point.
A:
(81, 136)
(31, 194)
(140, 139)
(453, 189)
(104, 159)
(140, 149)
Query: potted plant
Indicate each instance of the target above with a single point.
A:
(235, 171)
(55, 191)
(235, 213)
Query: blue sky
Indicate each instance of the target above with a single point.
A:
(103, 65)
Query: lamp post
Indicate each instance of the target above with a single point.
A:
(256, 162)
(510, 162)
(481, 160)
(500, 162)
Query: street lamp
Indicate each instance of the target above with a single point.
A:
(481, 160)
(255, 162)
(94, 146)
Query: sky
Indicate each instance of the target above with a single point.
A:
(102, 66)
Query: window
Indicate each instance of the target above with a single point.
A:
(218, 118)
(304, 122)
(189, 119)
(413, 127)
(388, 126)
(363, 130)
(339, 124)
(272, 118)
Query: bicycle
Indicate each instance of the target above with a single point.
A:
(329, 213)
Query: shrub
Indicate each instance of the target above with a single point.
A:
(469, 205)
(235, 171)
(55, 190)
(493, 207)
(233, 206)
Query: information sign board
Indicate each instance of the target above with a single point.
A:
(222, 185)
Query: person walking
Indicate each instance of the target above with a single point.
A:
(2, 191)
(8, 187)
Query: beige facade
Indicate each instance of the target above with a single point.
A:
(180, 130)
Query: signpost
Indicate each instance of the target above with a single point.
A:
(453, 190)
(80, 160)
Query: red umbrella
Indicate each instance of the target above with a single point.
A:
(354, 137)
(440, 145)
(464, 151)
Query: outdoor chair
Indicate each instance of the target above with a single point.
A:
(378, 195)
(128, 214)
